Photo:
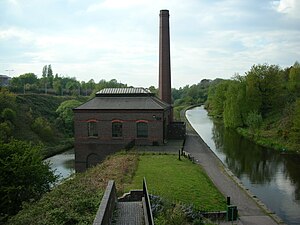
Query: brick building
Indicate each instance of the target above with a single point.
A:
(116, 118)
(119, 117)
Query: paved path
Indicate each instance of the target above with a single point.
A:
(129, 213)
(250, 212)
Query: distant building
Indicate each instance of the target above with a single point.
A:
(4, 80)
(116, 118)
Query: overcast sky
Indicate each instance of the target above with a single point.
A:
(118, 39)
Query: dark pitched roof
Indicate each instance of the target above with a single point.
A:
(124, 98)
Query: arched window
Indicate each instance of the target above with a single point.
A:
(92, 128)
(142, 129)
(117, 131)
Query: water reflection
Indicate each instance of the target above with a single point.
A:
(63, 164)
(273, 177)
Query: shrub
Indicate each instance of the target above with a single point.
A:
(24, 176)
(254, 121)
(8, 114)
(6, 129)
(42, 128)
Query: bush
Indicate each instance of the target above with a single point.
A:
(65, 111)
(8, 114)
(24, 176)
(254, 121)
(6, 129)
(42, 128)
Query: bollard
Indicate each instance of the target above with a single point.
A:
(228, 200)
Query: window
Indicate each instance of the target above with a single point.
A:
(117, 129)
(142, 129)
(92, 129)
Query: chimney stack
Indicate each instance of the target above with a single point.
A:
(164, 58)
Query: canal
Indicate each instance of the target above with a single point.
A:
(272, 177)
(63, 164)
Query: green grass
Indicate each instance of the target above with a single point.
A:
(178, 181)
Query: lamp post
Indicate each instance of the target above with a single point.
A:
(9, 71)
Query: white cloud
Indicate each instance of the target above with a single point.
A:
(289, 7)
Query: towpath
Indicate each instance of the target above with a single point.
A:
(251, 210)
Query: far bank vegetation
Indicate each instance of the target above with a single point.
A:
(263, 105)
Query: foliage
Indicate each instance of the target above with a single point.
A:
(254, 121)
(8, 114)
(217, 97)
(76, 201)
(65, 112)
(263, 83)
(43, 128)
(263, 101)
(24, 176)
(201, 191)
(7, 99)
(6, 129)
(296, 122)
(294, 80)
(234, 104)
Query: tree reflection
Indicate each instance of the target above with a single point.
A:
(292, 171)
(244, 157)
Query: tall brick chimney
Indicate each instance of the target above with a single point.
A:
(164, 57)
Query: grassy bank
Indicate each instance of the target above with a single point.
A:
(177, 181)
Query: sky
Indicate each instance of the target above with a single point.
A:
(118, 39)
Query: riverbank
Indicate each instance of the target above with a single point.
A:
(251, 211)
(66, 145)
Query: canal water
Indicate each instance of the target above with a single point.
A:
(273, 177)
(63, 164)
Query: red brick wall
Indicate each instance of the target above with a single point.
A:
(105, 144)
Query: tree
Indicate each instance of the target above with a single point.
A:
(294, 80)
(45, 71)
(254, 121)
(8, 114)
(7, 99)
(296, 122)
(42, 128)
(234, 104)
(57, 86)
(50, 76)
(217, 97)
(65, 112)
(24, 176)
(264, 88)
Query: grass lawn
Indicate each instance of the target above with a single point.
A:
(179, 181)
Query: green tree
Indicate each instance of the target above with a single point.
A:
(8, 114)
(217, 98)
(65, 112)
(6, 129)
(50, 76)
(294, 80)
(234, 104)
(254, 121)
(24, 176)
(7, 99)
(42, 128)
(296, 122)
(57, 86)
(264, 88)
